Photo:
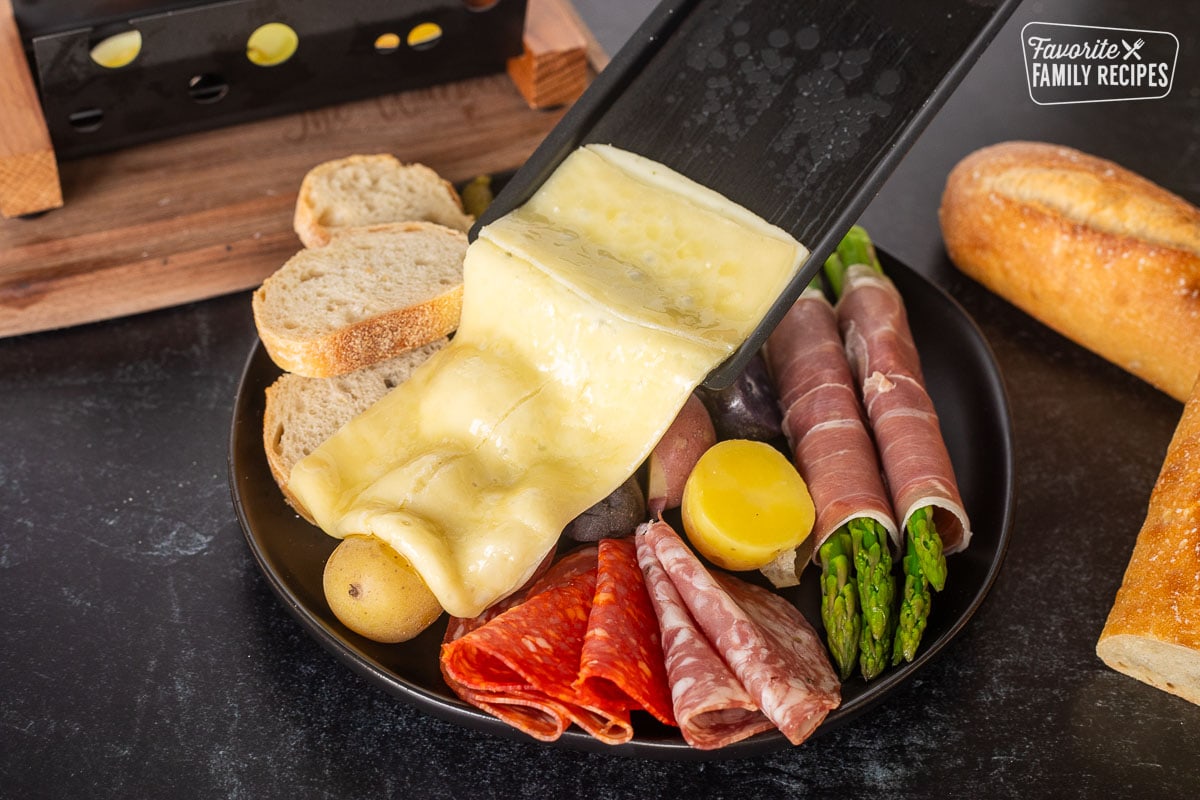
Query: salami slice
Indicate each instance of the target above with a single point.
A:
(824, 420)
(534, 714)
(522, 664)
(621, 666)
(883, 355)
(813, 689)
(531, 712)
(774, 654)
(563, 571)
(544, 577)
(712, 708)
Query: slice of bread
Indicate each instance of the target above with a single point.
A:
(368, 295)
(364, 190)
(301, 412)
(1153, 628)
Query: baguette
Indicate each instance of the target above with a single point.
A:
(1153, 629)
(368, 295)
(301, 412)
(1099, 254)
(362, 190)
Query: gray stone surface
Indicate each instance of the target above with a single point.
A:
(144, 655)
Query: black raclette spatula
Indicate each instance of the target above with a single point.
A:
(796, 110)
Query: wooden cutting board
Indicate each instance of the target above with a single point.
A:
(208, 214)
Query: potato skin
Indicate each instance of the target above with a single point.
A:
(748, 408)
(614, 517)
(375, 591)
(673, 458)
(744, 504)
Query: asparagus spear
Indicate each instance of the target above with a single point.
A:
(839, 601)
(856, 248)
(914, 607)
(876, 592)
(477, 195)
(928, 544)
(872, 555)
(924, 545)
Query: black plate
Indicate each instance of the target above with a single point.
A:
(966, 387)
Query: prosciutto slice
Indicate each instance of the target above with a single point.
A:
(882, 353)
(824, 421)
(764, 641)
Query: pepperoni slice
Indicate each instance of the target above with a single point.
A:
(521, 664)
(622, 662)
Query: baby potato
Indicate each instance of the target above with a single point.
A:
(672, 460)
(744, 504)
(376, 592)
(614, 517)
(748, 408)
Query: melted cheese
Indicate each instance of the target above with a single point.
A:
(589, 316)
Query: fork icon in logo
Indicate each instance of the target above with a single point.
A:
(1132, 49)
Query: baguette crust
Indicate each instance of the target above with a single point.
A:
(1099, 254)
(1153, 629)
(361, 190)
(370, 294)
(302, 412)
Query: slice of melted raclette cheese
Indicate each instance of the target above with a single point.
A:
(589, 316)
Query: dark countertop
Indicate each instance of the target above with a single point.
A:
(144, 655)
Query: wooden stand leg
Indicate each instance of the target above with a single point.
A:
(28, 169)
(553, 70)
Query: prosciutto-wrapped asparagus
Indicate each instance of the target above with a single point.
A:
(824, 424)
(920, 476)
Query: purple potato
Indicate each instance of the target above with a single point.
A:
(748, 408)
(614, 517)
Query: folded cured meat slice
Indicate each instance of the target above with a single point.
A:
(823, 419)
(812, 689)
(582, 645)
(550, 573)
(767, 644)
(711, 707)
(883, 355)
(522, 664)
(621, 665)
(527, 711)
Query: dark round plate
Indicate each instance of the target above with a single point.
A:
(966, 387)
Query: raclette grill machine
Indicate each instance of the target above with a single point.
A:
(105, 74)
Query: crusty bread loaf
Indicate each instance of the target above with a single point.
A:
(301, 412)
(1099, 254)
(365, 190)
(368, 295)
(1153, 629)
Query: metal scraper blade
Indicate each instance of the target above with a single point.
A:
(797, 111)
